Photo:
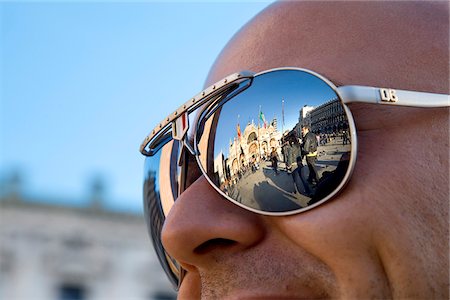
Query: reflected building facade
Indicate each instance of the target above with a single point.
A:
(304, 117)
(328, 118)
(254, 145)
(274, 123)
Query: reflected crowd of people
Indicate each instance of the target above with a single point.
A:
(290, 155)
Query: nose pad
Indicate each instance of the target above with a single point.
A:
(202, 223)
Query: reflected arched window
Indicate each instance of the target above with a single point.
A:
(251, 137)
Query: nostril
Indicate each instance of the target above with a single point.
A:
(213, 244)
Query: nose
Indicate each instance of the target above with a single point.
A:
(202, 223)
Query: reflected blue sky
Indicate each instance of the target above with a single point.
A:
(83, 83)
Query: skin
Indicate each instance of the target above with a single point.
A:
(305, 130)
(386, 235)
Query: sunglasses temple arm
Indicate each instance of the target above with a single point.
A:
(375, 95)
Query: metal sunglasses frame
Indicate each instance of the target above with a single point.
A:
(347, 94)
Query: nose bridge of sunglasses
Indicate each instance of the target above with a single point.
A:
(185, 145)
(180, 126)
(191, 105)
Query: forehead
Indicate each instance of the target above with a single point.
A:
(365, 43)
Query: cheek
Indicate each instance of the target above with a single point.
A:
(380, 211)
(341, 235)
(342, 231)
(350, 220)
(191, 287)
(340, 227)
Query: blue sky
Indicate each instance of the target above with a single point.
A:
(81, 84)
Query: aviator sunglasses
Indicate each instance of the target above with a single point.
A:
(279, 142)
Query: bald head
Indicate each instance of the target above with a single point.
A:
(394, 44)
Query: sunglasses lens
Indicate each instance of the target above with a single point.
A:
(282, 145)
(161, 181)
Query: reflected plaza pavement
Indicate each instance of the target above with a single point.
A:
(260, 187)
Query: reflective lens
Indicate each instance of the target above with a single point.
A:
(282, 145)
(161, 184)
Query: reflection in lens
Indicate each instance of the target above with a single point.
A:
(281, 145)
(160, 192)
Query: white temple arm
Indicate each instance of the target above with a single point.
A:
(365, 94)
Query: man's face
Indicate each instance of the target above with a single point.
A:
(386, 234)
(304, 131)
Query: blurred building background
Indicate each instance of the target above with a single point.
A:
(53, 251)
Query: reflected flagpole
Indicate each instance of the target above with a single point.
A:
(259, 113)
(236, 142)
(238, 129)
(257, 138)
(282, 118)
